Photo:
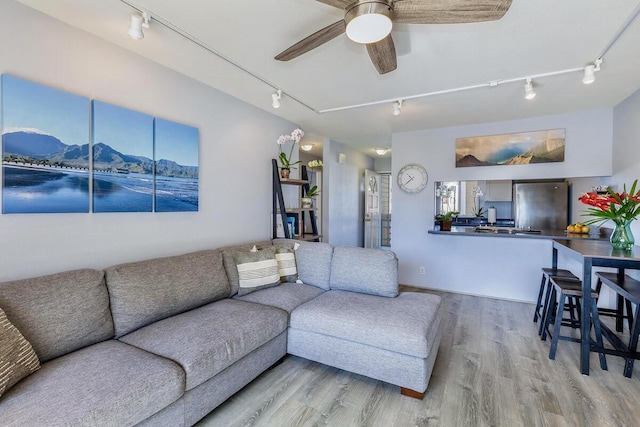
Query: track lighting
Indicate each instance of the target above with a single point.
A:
(138, 22)
(589, 72)
(306, 147)
(275, 99)
(381, 151)
(529, 93)
(397, 107)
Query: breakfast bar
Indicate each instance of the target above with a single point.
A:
(598, 253)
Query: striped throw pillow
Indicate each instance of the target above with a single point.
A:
(286, 265)
(17, 357)
(256, 270)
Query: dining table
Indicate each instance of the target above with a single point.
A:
(594, 253)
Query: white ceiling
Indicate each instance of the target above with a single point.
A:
(535, 37)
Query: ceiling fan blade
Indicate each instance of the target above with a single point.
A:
(313, 41)
(383, 55)
(449, 11)
(340, 4)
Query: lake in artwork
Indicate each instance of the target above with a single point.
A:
(32, 189)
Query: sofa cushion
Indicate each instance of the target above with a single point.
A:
(146, 291)
(407, 324)
(313, 261)
(287, 296)
(208, 339)
(228, 253)
(371, 271)
(59, 313)
(257, 269)
(109, 383)
(17, 358)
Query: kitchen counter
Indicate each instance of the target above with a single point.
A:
(510, 232)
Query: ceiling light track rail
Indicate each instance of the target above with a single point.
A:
(279, 93)
(211, 50)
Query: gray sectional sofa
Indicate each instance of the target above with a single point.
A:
(163, 342)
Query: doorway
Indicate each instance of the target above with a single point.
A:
(377, 218)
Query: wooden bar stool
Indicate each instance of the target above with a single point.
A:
(619, 311)
(541, 306)
(629, 288)
(566, 288)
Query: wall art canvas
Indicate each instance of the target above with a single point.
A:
(122, 159)
(176, 178)
(543, 146)
(45, 138)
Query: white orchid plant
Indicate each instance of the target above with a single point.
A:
(294, 138)
(314, 164)
(477, 193)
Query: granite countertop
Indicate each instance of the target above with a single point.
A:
(543, 234)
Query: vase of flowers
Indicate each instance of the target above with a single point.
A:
(285, 161)
(621, 208)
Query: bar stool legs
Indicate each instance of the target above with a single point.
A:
(570, 288)
(548, 272)
(617, 312)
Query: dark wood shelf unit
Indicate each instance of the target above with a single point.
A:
(280, 209)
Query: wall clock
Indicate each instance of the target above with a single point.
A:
(412, 178)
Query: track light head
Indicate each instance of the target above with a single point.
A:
(397, 107)
(275, 99)
(138, 22)
(529, 93)
(589, 71)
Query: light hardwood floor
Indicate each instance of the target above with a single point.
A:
(492, 370)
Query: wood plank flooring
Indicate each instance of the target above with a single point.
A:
(492, 370)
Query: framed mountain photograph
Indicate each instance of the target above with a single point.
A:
(122, 159)
(543, 146)
(176, 161)
(45, 143)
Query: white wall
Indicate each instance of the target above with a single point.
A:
(343, 211)
(237, 142)
(492, 266)
(383, 164)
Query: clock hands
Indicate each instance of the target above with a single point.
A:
(409, 180)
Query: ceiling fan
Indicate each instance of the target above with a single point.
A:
(370, 22)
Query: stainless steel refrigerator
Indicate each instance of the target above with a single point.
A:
(541, 205)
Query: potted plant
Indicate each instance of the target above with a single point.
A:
(307, 200)
(444, 220)
(285, 161)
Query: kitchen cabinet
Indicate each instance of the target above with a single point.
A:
(498, 191)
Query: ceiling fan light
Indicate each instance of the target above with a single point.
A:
(529, 93)
(369, 21)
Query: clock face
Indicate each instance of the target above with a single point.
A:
(412, 178)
